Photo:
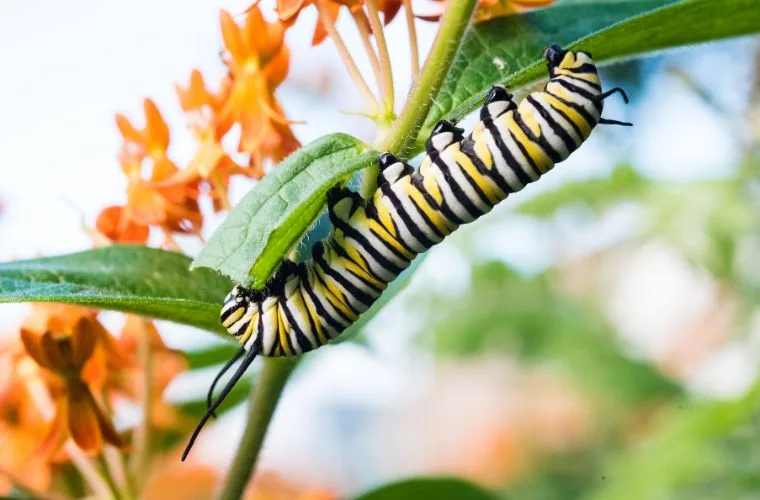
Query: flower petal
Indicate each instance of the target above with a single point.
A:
(117, 227)
(389, 8)
(82, 418)
(128, 131)
(233, 38)
(82, 342)
(156, 129)
(33, 345)
(320, 33)
(57, 430)
(288, 9)
(57, 351)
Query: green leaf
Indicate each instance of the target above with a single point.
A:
(270, 220)
(429, 489)
(508, 49)
(133, 279)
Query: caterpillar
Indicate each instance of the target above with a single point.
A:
(305, 305)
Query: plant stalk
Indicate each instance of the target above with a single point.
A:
(345, 55)
(404, 130)
(262, 402)
(142, 437)
(385, 58)
(362, 24)
(413, 43)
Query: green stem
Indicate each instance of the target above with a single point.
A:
(404, 130)
(261, 405)
(406, 127)
(109, 479)
(142, 435)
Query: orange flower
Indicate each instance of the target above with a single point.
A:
(288, 10)
(21, 427)
(77, 353)
(258, 61)
(488, 9)
(211, 163)
(174, 208)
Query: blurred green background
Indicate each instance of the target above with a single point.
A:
(610, 352)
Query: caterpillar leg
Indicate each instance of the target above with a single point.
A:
(605, 95)
(605, 121)
(610, 92)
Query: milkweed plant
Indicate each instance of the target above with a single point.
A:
(65, 376)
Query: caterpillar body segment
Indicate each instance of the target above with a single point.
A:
(305, 305)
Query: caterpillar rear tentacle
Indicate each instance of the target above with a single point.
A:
(305, 305)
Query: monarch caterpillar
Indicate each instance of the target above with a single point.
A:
(305, 305)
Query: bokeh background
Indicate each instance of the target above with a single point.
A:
(598, 335)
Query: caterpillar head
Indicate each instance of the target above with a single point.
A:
(558, 58)
(235, 305)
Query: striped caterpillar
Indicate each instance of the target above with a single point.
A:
(305, 305)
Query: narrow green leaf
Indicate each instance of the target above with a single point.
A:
(270, 220)
(429, 489)
(134, 279)
(508, 49)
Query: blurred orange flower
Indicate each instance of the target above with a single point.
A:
(269, 485)
(77, 353)
(181, 481)
(174, 208)
(258, 61)
(21, 427)
(488, 9)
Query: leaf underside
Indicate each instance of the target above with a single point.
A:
(136, 279)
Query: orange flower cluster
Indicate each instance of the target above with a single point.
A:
(162, 195)
(258, 62)
(150, 202)
(62, 382)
